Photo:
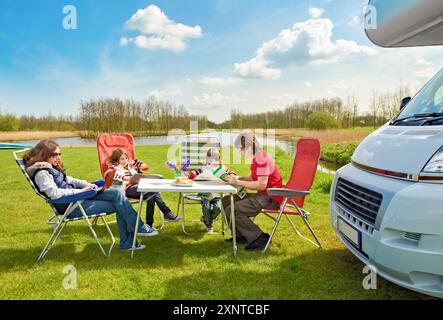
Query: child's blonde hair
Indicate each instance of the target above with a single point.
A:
(213, 153)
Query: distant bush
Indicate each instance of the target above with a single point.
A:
(338, 153)
(321, 120)
(66, 127)
(9, 122)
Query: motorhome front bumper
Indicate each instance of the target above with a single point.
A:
(394, 225)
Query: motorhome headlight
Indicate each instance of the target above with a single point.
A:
(433, 171)
(435, 164)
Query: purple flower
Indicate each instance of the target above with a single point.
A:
(186, 165)
(171, 165)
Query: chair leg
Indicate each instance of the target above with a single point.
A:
(94, 234)
(294, 227)
(59, 226)
(54, 236)
(162, 220)
(277, 221)
(110, 233)
(305, 220)
(299, 233)
(50, 220)
(98, 224)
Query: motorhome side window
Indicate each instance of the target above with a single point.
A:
(426, 108)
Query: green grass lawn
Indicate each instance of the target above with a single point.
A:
(173, 266)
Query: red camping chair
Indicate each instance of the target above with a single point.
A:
(107, 143)
(297, 188)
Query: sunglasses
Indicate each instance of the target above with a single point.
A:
(55, 154)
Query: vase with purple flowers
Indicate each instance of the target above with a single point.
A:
(178, 169)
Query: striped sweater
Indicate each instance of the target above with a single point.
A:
(194, 174)
(123, 174)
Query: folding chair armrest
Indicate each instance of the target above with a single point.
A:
(99, 183)
(153, 176)
(76, 197)
(286, 192)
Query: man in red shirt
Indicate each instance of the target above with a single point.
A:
(264, 175)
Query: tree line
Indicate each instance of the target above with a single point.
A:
(383, 106)
(95, 116)
(10, 122)
(153, 116)
(150, 116)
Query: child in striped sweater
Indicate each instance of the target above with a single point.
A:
(210, 201)
(125, 170)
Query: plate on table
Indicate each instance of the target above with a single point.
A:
(182, 185)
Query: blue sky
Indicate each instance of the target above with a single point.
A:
(208, 55)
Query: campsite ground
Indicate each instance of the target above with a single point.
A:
(173, 266)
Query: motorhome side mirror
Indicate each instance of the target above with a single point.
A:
(404, 102)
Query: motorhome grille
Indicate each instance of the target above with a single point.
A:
(412, 236)
(359, 201)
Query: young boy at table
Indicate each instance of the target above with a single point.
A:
(210, 201)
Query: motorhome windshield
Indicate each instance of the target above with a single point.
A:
(426, 107)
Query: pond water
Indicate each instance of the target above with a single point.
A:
(226, 139)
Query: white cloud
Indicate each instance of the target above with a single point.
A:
(283, 99)
(308, 84)
(424, 71)
(124, 42)
(306, 42)
(211, 100)
(257, 68)
(356, 21)
(158, 31)
(425, 75)
(220, 82)
(421, 62)
(316, 12)
(162, 94)
(345, 86)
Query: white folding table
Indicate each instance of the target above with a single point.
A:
(164, 185)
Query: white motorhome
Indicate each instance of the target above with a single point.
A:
(387, 204)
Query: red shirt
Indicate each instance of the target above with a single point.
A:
(264, 166)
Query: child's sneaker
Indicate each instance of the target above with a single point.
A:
(138, 246)
(170, 216)
(211, 230)
(147, 231)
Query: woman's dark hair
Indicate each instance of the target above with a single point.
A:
(42, 152)
(248, 139)
(115, 156)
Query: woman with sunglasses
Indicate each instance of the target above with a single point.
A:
(45, 168)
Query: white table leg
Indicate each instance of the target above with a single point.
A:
(183, 213)
(162, 219)
(140, 205)
(223, 215)
(234, 233)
